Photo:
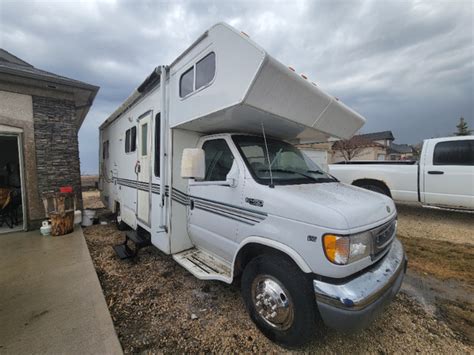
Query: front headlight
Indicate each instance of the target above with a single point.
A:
(343, 250)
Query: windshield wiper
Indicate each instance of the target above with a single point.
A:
(293, 172)
(315, 172)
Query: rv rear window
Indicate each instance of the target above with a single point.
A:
(186, 84)
(105, 150)
(205, 70)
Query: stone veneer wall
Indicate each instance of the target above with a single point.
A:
(57, 147)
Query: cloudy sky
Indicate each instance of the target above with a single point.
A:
(407, 66)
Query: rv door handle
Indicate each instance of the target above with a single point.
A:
(435, 172)
(137, 167)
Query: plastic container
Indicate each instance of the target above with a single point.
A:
(77, 217)
(88, 218)
(45, 228)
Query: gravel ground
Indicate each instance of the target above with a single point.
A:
(157, 306)
(417, 222)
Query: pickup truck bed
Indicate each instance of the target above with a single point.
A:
(444, 176)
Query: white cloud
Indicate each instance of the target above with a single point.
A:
(406, 65)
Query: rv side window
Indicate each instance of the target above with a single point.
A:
(205, 70)
(186, 83)
(144, 139)
(157, 143)
(219, 160)
(133, 139)
(127, 141)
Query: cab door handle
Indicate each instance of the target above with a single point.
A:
(435, 172)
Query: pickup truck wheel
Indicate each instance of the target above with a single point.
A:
(121, 225)
(279, 300)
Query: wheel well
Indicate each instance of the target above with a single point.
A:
(252, 250)
(373, 182)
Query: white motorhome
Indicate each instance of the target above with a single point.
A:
(198, 162)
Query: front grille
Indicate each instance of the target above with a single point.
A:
(383, 237)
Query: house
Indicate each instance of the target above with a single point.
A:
(369, 146)
(401, 152)
(40, 116)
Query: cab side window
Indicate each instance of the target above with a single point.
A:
(219, 160)
(458, 152)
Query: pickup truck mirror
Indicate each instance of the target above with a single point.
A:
(193, 164)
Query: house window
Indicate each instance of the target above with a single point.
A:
(219, 160)
(157, 143)
(131, 140)
(454, 153)
(198, 76)
(105, 150)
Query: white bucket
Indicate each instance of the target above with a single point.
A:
(77, 217)
(88, 218)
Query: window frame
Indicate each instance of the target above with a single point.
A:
(157, 160)
(234, 161)
(194, 76)
(435, 163)
(144, 146)
(128, 147)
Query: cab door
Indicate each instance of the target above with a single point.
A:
(143, 168)
(449, 174)
(214, 209)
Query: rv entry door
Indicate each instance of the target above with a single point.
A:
(143, 168)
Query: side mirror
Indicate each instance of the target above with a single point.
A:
(193, 164)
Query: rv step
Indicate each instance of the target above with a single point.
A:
(123, 251)
(140, 239)
(204, 265)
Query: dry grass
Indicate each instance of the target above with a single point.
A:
(441, 259)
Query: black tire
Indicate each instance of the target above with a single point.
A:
(276, 268)
(121, 225)
(376, 188)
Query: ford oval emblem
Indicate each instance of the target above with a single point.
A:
(388, 209)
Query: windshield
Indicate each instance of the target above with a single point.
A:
(288, 164)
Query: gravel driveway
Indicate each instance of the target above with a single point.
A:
(158, 306)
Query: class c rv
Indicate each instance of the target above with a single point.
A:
(199, 162)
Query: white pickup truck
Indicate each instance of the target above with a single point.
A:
(444, 176)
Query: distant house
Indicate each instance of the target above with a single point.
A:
(401, 152)
(370, 146)
(40, 116)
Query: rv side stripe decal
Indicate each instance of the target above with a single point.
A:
(240, 214)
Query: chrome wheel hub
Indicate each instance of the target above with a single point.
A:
(272, 302)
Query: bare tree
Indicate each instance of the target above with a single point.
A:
(349, 148)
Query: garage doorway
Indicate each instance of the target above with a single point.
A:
(12, 206)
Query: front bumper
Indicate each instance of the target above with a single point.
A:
(352, 305)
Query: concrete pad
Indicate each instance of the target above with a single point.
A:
(51, 300)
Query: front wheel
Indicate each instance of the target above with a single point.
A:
(279, 300)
